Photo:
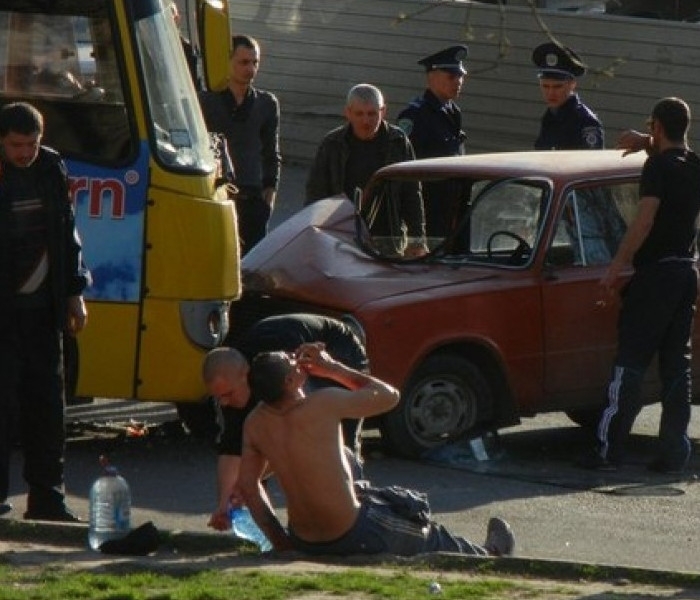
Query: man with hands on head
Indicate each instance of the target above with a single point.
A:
(225, 372)
(297, 435)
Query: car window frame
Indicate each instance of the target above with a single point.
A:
(564, 195)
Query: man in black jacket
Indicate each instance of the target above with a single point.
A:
(249, 118)
(42, 278)
(349, 155)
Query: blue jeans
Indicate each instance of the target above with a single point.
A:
(378, 529)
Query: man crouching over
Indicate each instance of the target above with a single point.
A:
(298, 436)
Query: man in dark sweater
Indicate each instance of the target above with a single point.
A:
(249, 119)
(42, 278)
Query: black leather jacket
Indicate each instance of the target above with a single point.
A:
(68, 275)
(327, 174)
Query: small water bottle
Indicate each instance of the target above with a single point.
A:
(110, 507)
(244, 526)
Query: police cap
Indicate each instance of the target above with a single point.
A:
(557, 62)
(449, 59)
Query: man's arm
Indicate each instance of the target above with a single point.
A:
(250, 489)
(633, 141)
(77, 275)
(369, 396)
(412, 210)
(270, 149)
(634, 237)
(227, 468)
(593, 136)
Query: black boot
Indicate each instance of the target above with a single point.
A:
(48, 505)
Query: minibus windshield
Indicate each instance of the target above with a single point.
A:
(179, 132)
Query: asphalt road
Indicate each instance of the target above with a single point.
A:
(629, 518)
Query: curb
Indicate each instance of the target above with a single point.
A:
(75, 535)
(191, 543)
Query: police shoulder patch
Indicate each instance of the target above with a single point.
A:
(406, 125)
(591, 137)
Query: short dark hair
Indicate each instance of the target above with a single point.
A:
(244, 40)
(267, 376)
(674, 116)
(20, 117)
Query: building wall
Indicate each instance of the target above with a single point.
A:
(313, 51)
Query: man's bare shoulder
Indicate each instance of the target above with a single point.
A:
(255, 416)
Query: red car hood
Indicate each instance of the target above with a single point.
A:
(313, 257)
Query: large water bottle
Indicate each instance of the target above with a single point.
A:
(110, 507)
(244, 526)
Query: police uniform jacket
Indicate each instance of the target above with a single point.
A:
(573, 126)
(67, 273)
(434, 127)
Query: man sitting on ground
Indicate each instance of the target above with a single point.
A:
(225, 373)
(297, 435)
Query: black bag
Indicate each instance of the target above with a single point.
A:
(139, 542)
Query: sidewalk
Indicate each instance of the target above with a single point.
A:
(62, 548)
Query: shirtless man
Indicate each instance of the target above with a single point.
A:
(225, 374)
(297, 435)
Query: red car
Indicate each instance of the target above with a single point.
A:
(495, 314)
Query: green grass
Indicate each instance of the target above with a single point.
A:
(54, 583)
(237, 581)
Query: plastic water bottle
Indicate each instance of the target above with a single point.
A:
(110, 507)
(244, 526)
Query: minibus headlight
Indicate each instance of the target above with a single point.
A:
(205, 321)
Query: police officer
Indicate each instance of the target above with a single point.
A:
(567, 123)
(433, 123)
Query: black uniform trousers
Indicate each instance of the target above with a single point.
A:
(253, 216)
(656, 317)
(32, 405)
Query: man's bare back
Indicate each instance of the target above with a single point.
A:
(302, 445)
(300, 438)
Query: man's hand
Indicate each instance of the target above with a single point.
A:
(219, 520)
(415, 250)
(609, 280)
(77, 314)
(633, 141)
(313, 358)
